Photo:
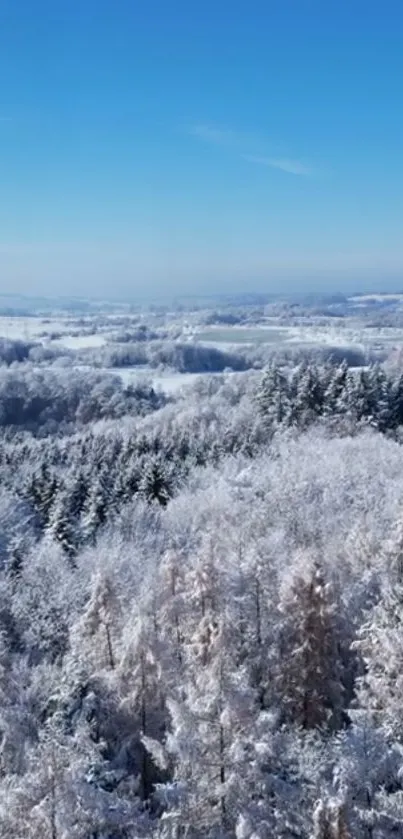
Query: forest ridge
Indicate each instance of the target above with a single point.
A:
(201, 591)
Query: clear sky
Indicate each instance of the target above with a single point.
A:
(180, 145)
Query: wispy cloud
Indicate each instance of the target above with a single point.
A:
(242, 142)
(293, 167)
(217, 136)
(236, 140)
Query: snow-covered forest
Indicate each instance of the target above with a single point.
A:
(201, 592)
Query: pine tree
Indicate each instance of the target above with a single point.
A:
(154, 483)
(42, 492)
(379, 398)
(307, 396)
(334, 396)
(358, 403)
(97, 507)
(77, 490)
(396, 399)
(61, 526)
(273, 397)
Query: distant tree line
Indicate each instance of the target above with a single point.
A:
(46, 402)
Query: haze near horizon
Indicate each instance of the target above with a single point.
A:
(192, 148)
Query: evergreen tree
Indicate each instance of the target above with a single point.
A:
(396, 399)
(307, 395)
(42, 492)
(273, 397)
(97, 507)
(358, 402)
(77, 490)
(379, 398)
(335, 393)
(61, 526)
(154, 484)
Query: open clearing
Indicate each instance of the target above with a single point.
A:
(242, 335)
(170, 382)
(42, 330)
(80, 342)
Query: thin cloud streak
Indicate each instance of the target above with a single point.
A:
(237, 141)
(217, 136)
(293, 167)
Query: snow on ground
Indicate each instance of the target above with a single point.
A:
(41, 329)
(241, 335)
(28, 329)
(80, 342)
(169, 382)
(227, 338)
(378, 298)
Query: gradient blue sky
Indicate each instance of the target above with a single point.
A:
(180, 145)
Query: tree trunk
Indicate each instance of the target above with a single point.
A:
(109, 645)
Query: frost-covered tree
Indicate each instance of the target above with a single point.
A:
(154, 483)
(212, 709)
(62, 528)
(171, 665)
(142, 691)
(329, 821)
(367, 771)
(335, 393)
(273, 397)
(97, 507)
(310, 670)
(57, 796)
(379, 642)
(94, 636)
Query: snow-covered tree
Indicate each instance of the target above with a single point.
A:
(141, 687)
(380, 643)
(273, 397)
(62, 528)
(97, 507)
(310, 670)
(95, 634)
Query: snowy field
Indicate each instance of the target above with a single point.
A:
(343, 333)
(80, 342)
(376, 298)
(169, 382)
(242, 335)
(75, 333)
(41, 329)
(29, 329)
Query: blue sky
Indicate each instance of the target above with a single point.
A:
(190, 146)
